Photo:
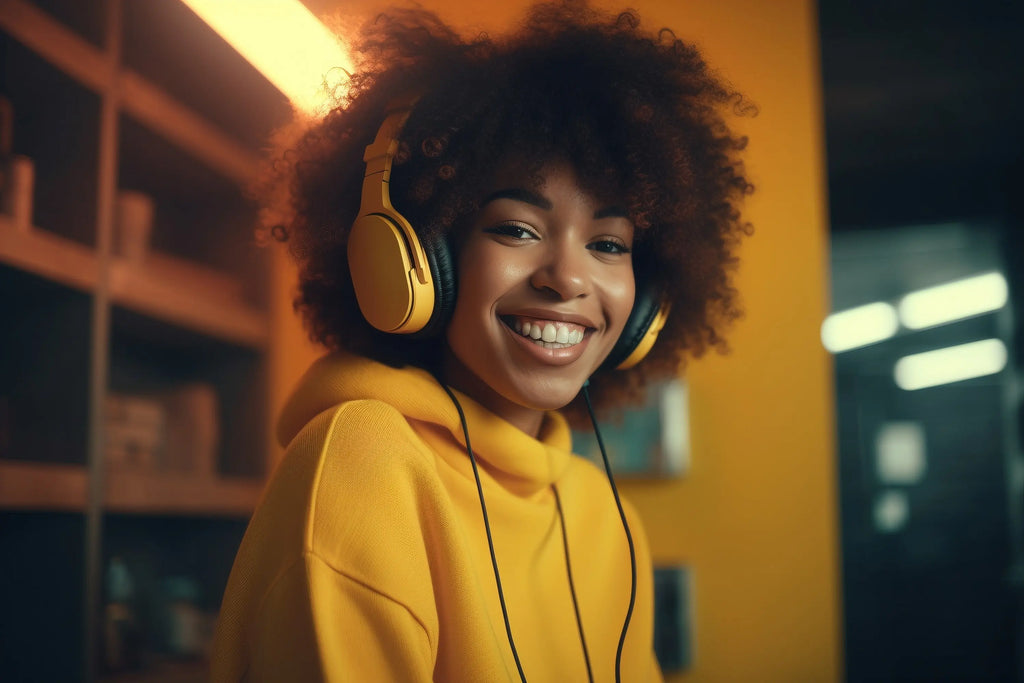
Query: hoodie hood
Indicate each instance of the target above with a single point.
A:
(340, 377)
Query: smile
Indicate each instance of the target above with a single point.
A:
(550, 334)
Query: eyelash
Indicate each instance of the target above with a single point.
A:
(514, 230)
(609, 247)
(519, 231)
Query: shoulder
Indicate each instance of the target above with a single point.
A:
(349, 465)
(359, 450)
(357, 435)
(369, 474)
(360, 491)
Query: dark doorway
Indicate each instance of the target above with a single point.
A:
(925, 142)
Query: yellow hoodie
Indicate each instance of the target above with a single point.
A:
(367, 558)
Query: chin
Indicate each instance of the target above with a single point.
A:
(545, 396)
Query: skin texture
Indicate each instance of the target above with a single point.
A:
(555, 255)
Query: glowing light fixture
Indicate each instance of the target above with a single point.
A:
(953, 301)
(283, 40)
(892, 510)
(951, 364)
(859, 326)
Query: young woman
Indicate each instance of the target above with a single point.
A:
(488, 231)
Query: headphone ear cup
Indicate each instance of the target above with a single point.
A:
(379, 265)
(641, 330)
(442, 268)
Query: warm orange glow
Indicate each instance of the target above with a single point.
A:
(283, 40)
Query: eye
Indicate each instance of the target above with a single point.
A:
(513, 231)
(609, 246)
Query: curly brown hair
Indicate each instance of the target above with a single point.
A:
(637, 114)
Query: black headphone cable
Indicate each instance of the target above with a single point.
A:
(572, 585)
(487, 527)
(625, 526)
(565, 542)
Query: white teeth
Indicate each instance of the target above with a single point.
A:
(548, 334)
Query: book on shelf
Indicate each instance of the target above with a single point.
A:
(177, 430)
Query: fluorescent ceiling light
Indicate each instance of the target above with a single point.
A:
(283, 40)
(859, 326)
(953, 301)
(952, 364)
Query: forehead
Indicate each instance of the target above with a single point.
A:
(551, 179)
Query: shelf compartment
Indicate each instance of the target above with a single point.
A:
(44, 369)
(203, 303)
(151, 106)
(150, 359)
(55, 125)
(42, 595)
(199, 213)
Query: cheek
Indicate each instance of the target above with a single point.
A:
(483, 278)
(480, 283)
(620, 294)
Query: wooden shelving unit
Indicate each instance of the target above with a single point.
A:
(98, 114)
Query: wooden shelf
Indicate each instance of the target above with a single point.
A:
(49, 256)
(42, 486)
(185, 294)
(180, 494)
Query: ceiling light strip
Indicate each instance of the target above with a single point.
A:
(283, 40)
(950, 364)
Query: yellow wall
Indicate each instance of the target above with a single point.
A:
(756, 517)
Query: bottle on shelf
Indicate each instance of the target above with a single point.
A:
(17, 173)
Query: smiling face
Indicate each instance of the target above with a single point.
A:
(545, 288)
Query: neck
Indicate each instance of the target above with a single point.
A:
(458, 376)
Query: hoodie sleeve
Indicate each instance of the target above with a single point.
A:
(316, 624)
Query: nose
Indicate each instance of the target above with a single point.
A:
(563, 272)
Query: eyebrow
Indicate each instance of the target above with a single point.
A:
(529, 197)
(521, 195)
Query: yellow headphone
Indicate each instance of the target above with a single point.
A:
(400, 283)
(390, 272)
